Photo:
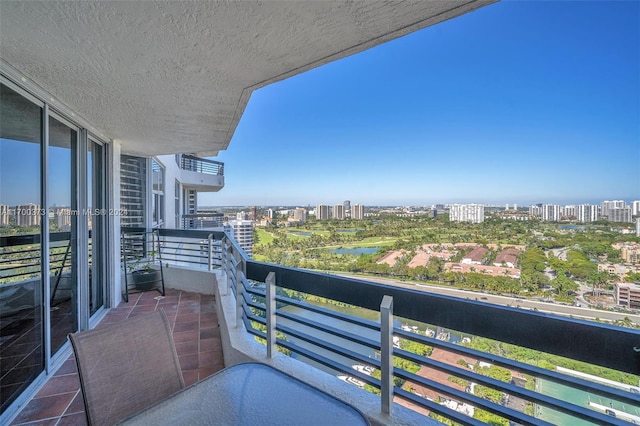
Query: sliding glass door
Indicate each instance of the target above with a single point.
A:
(21, 223)
(53, 236)
(64, 216)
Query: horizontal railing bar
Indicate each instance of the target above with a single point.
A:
(328, 312)
(590, 342)
(437, 408)
(442, 410)
(563, 379)
(472, 399)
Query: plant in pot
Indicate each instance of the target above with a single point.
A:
(143, 275)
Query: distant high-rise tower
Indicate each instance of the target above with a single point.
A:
(638, 227)
(619, 214)
(322, 212)
(338, 211)
(4, 215)
(28, 215)
(473, 213)
(242, 232)
(347, 207)
(357, 212)
(506, 206)
(300, 215)
(635, 208)
(551, 212)
(253, 213)
(586, 213)
(606, 206)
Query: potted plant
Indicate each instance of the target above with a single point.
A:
(143, 275)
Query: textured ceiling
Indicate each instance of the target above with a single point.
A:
(168, 76)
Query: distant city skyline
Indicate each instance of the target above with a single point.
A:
(518, 102)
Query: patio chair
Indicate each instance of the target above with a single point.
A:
(126, 367)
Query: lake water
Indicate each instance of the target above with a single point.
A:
(357, 251)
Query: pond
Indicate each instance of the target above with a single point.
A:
(357, 251)
(347, 231)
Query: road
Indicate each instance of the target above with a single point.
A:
(553, 308)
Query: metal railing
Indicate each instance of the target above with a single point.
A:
(180, 247)
(201, 165)
(20, 256)
(306, 333)
(202, 220)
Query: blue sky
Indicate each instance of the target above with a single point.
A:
(518, 102)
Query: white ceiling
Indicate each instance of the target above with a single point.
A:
(170, 76)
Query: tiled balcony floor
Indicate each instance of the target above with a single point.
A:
(194, 324)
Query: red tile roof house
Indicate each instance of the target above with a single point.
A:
(507, 257)
(475, 256)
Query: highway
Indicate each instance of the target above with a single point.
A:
(552, 308)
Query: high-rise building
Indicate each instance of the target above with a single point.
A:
(473, 213)
(270, 213)
(551, 212)
(322, 212)
(569, 212)
(357, 212)
(338, 212)
(4, 215)
(606, 206)
(28, 215)
(242, 232)
(635, 208)
(253, 213)
(619, 214)
(347, 206)
(535, 211)
(586, 213)
(300, 215)
(63, 218)
(638, 227)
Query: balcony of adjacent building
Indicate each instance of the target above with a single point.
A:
(401, 356)
(200, 174)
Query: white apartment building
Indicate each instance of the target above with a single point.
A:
(586, 213)
(569, 212)
(322, 212)
(338, 212)
(635, 208)
(535, 211)
(473, 213)
(242, 231)
(619, 214)
(5, 217)
(551, 213)
(357, 212)
(300, 215)
(606, 206)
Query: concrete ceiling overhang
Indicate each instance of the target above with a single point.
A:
(170, 76)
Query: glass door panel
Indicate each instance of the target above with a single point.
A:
(63, 218)
(97, 218)
(21, 301)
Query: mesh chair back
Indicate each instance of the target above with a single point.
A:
(126, 367)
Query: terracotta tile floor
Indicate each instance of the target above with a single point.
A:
(196, 334)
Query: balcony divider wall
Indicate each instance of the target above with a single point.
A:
(53, 229)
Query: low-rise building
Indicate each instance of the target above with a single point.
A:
(627, 294)
(475, 257)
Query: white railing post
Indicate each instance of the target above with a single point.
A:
(270, 304)
(386, 353)
(239, 286)
(210, 257)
